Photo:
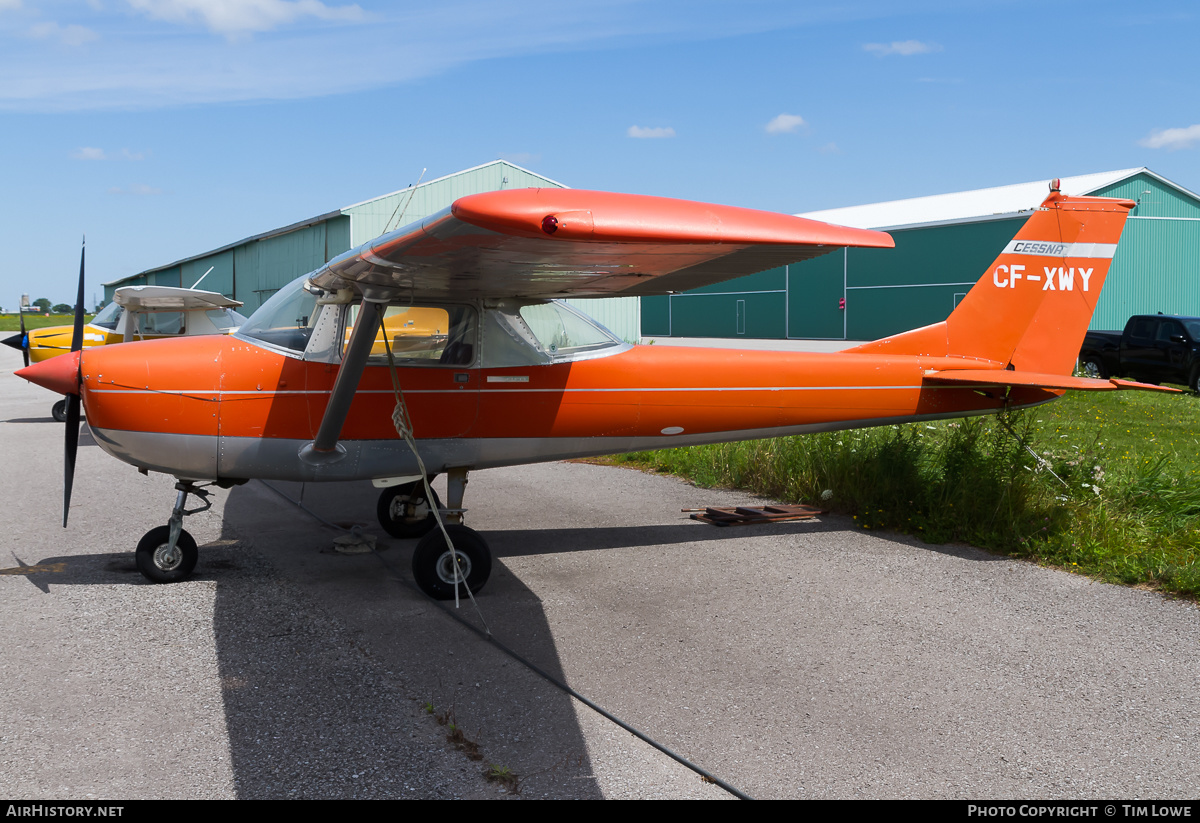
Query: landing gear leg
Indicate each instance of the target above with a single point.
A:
(167, 554)
(436, 566)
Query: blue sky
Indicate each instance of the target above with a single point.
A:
(164, 128)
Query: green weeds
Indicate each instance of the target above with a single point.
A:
(1110, 488)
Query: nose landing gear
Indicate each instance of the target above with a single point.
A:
(167, 554)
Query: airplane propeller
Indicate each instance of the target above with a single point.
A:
(20, 340)
(71, 442)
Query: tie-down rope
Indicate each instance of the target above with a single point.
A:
(403, 424)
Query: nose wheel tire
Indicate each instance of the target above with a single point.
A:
(404, 512)
(433, 564)
(59, 411)
(160, 564)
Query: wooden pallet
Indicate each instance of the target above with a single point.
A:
(749, 515)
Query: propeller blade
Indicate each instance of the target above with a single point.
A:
(71, 441)
(77, 333)
(71, 445)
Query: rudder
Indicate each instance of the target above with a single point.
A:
(1031, 308)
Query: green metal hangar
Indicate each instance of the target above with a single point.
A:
(253, 269)
(944, 243)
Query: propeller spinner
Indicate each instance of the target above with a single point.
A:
(20, 340)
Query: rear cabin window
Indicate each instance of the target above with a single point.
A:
(561, 331)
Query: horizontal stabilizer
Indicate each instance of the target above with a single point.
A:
(1003, 377)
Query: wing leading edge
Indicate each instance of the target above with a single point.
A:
(553, 243)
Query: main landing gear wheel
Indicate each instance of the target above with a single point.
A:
(59, 411)
(161, 564)
(433, 565)
(403, 510)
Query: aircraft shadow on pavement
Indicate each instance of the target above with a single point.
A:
(327, 671)
(531, 542)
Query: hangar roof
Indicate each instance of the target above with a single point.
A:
(383, 201)
(970, 206)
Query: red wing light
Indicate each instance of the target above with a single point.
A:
(549, 224)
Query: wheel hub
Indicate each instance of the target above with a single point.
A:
(406, 508)
(168, 558)
(445, 568)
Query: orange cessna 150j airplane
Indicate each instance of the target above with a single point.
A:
(438, 348)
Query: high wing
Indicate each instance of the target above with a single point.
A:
(171, 298)
(554, 243)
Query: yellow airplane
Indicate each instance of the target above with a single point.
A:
(136, 313)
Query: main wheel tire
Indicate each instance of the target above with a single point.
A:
(433, 567)
(1093, 367)
(160, 566)
(59, 411)
(403, 511)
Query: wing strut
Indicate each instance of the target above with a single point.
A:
(325, 448)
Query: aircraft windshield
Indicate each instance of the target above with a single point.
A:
(108, 317)
(224, 319)
(286, 320)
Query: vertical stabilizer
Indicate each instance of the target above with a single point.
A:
(1031, 308)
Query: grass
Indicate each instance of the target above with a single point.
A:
(1113, 491)
(12, 322)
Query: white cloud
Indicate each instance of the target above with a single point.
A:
(645, 131)
(785, 124)
(829, 148)
(904, 48)
(240, 17)
(88, 153)
(71, 35)
(1172, 138)
(140, 189)
(10, 4)
(154, 62)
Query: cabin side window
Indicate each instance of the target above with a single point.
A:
(422, 335)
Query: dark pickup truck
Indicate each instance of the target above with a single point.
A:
(1154, 348)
